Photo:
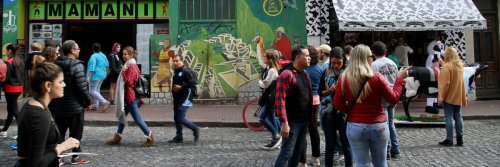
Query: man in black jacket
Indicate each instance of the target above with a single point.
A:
(68, 110)
(184, 82)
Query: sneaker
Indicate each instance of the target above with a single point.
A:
(3, 134)
(276, 143)
(388, 156)
(315, 161)
(446, 143)
(395, 156)
(14, 146)
(77, 161)
(175, 140)
(14, 137)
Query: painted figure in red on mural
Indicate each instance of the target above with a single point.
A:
(282, 43)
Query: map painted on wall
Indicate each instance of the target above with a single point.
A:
(226, 54)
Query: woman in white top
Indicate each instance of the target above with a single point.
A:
(268, 83)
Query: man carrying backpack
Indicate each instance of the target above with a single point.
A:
(183, 89)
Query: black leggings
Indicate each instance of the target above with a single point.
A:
(75, 126)
(313, 135)
(12, 108)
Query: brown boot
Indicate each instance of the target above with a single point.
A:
(150, 140)
(115, 140)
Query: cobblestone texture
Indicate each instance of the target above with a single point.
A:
(241, 147)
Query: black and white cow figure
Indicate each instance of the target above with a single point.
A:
(423, 81)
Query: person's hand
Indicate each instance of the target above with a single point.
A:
(285, 129)
(332, 88)
(176, 88)
(68, 144)
(88, 80)
(403, 73)
(440, 102)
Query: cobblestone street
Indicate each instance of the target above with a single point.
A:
(241, 147)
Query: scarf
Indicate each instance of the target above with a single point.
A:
(120, 94)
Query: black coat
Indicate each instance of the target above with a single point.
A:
(115, 66)
(76, 95)
(186, 79)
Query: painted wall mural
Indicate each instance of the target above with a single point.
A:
(226, 54)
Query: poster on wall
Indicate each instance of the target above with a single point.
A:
(42, 32)
(161, 63)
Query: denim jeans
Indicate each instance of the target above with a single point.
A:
(133, 109)
(268, 118)
(292, 146)
(95, 92)
(368, 139)
(331, 123)
(392, 145)
(453, 112)
(180, 119)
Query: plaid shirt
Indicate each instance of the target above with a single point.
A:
(285, 80)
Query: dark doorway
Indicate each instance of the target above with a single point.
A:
(85, 34)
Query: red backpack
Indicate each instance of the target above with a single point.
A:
(3, 71)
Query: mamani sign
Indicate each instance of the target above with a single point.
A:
(95, 10)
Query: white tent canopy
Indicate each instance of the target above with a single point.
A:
(407, 15)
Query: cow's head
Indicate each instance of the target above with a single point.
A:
(473, 72)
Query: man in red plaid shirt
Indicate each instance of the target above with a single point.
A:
(293, 106)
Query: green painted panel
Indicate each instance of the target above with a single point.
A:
(145, 10)
(109, 10)
(37, 11)
(91, 10)
(127, 9)
(55, 10)
(73, 10)
(162, 9)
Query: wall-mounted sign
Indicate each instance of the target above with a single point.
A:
(95, 10)
(109, 10)
(272, 7)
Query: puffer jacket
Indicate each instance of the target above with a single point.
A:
(76, 96)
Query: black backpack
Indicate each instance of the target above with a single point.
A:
(196, 89)
(142, 88)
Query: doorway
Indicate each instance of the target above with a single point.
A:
(86, 34)
(105, 33)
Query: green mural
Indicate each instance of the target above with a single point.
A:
(227, 53)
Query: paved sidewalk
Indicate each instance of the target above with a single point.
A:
(231, 115)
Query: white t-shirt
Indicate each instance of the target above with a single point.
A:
(387, 68)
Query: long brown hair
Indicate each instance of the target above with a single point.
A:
(272, 59)
(50, 54)
(131, 51)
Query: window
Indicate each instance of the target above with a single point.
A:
(207, 10)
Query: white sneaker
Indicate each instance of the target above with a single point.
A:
(315, 161)
(3, 134)
(276, 144)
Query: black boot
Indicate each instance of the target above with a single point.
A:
(431, 110)
(460, 141)
(446, 143)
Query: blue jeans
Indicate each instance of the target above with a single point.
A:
(133, 109)
(366, 139)
(392, 145)
(293, 145)
(453, 112)
(331, 123)
(95, 92)
(180, 119)
(268, 118)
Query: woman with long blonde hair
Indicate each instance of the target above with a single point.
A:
(451, 95)
(367, 130)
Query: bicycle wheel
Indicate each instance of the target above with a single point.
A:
(251, 115)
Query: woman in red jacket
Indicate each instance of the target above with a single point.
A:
(367, 130)
(127, 101)
(13, 85)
